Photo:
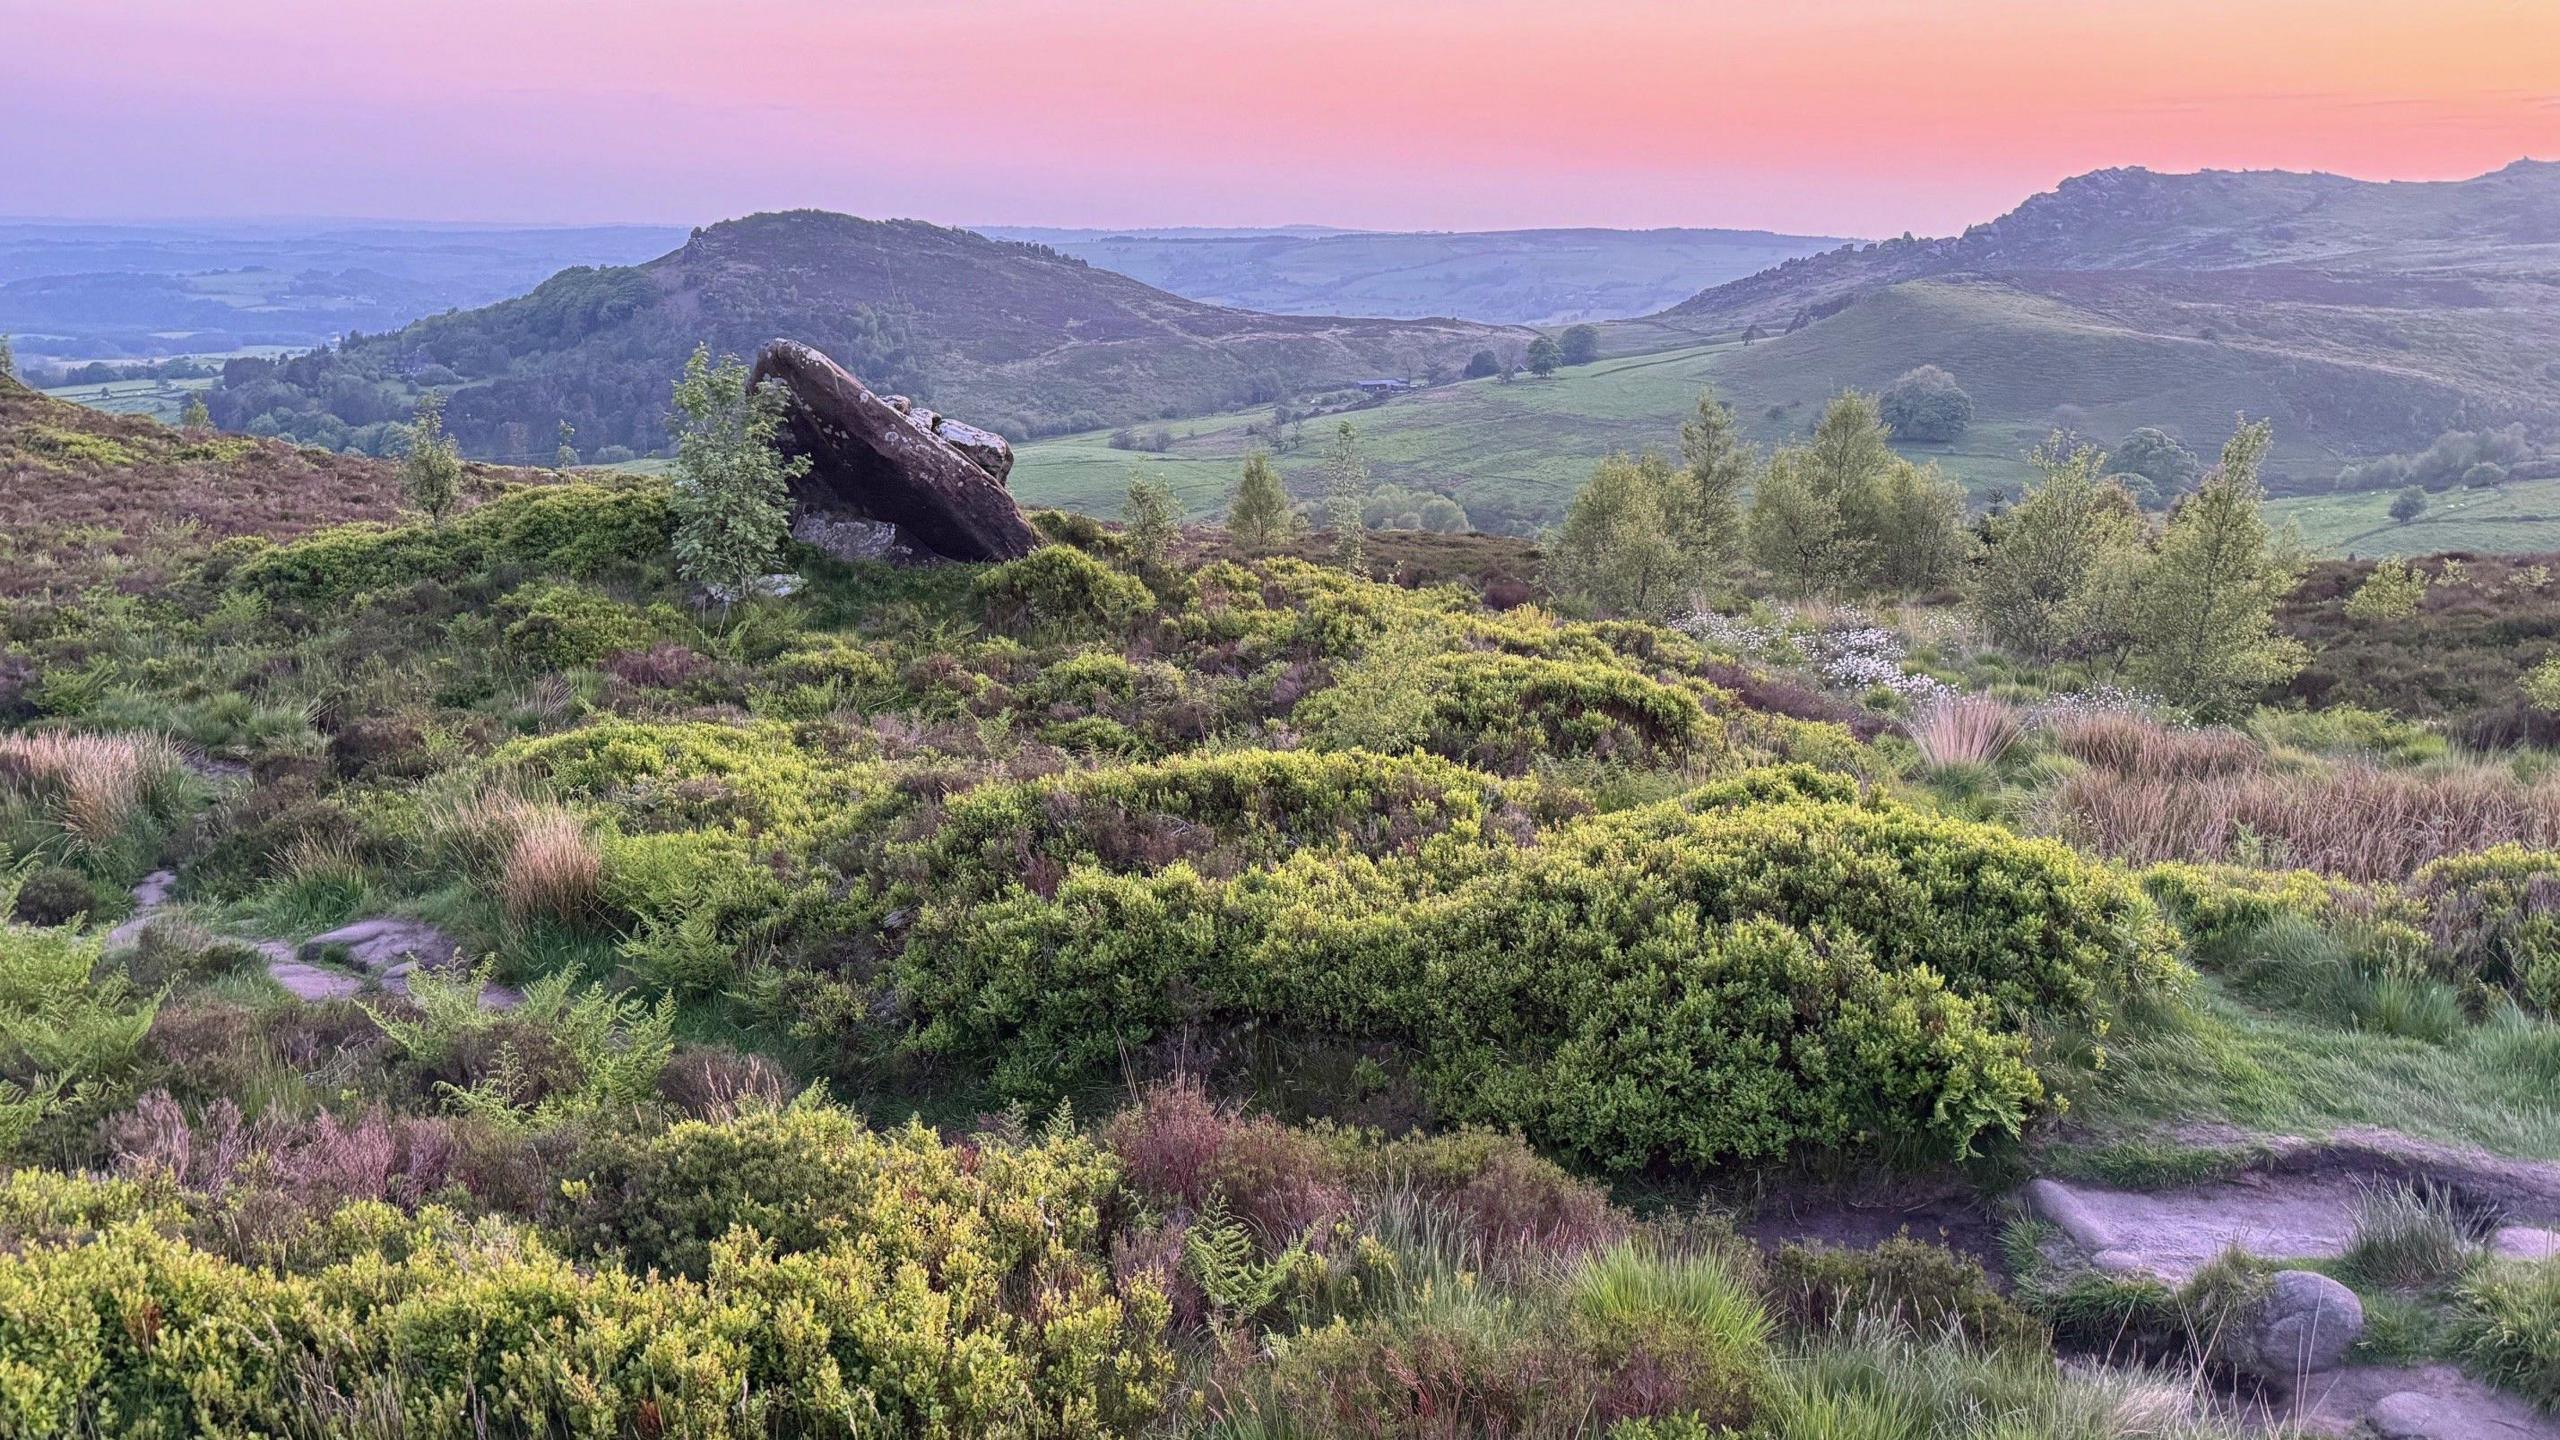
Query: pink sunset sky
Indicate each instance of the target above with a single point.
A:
(1863, 117)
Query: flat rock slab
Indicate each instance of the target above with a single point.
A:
(2525, 1242)
(149, 898)
(314, 983)
(2434, 1402)
(2174, 1234)
(380, 944)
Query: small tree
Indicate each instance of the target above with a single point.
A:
(1147, 519)
(1580, 346)
(566, 457)
(1482, 364)
(2409, 504)
(1918, 536)
(732, 487)
(193, 417)
(8, 359)
(2167, 467)
(2541, 686)
(1346, 486)
(2394, 591)
(1708, 520)
(431, 473)
(2047, 552)
(1259, 518)
(2204, 630)
(2485, 475)
(1619, 549)
(1795, 531)
(1926, 403)
(1544, 356)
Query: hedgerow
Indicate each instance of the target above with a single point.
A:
(1658, 984)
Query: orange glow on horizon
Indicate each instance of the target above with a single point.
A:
(1840, 116)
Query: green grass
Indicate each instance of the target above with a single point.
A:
(2496, 1085)
(2518, 518)
(162, 400)
(1514, 455)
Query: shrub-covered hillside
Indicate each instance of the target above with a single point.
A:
(456, 979)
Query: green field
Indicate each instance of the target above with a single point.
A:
(162, 400)
(1512, 454)
(2521, 518)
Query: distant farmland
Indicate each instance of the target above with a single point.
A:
(1513, 455)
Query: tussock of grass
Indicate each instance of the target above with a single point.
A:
(2412, 1235)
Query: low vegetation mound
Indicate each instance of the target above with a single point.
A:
(1666, 984)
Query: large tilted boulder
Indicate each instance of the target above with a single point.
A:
(886, 480)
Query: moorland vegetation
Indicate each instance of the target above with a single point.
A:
(1170, 985)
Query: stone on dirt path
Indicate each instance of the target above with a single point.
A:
(2306, 1324)
(2174, 1234)
(387, 948)
(2433, 1402)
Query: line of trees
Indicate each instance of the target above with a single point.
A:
(2075, 570)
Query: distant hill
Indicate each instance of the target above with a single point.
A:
(85, 291)
(1005, 334)
(2362, 317)
(1512, 277)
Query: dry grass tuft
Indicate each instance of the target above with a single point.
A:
(1964, 730)
(98, 785)
(552, 871)
(2356, 822)
(2130, 745)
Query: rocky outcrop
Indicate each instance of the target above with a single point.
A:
(938, 482)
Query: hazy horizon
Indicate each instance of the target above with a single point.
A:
(1852, 117)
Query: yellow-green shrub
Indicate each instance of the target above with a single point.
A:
(2495, 916)
(556, 626)
(1503, 711)
(573, 530)
(959, 1311)
(1058, 587)
(1740, 980)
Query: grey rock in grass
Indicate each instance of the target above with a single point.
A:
(379, 944)
(2306, 1324)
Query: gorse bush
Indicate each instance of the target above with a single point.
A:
(2495, 916)
(1659, 984)
(555, 626)
(1218, 813)
(809, 1176)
